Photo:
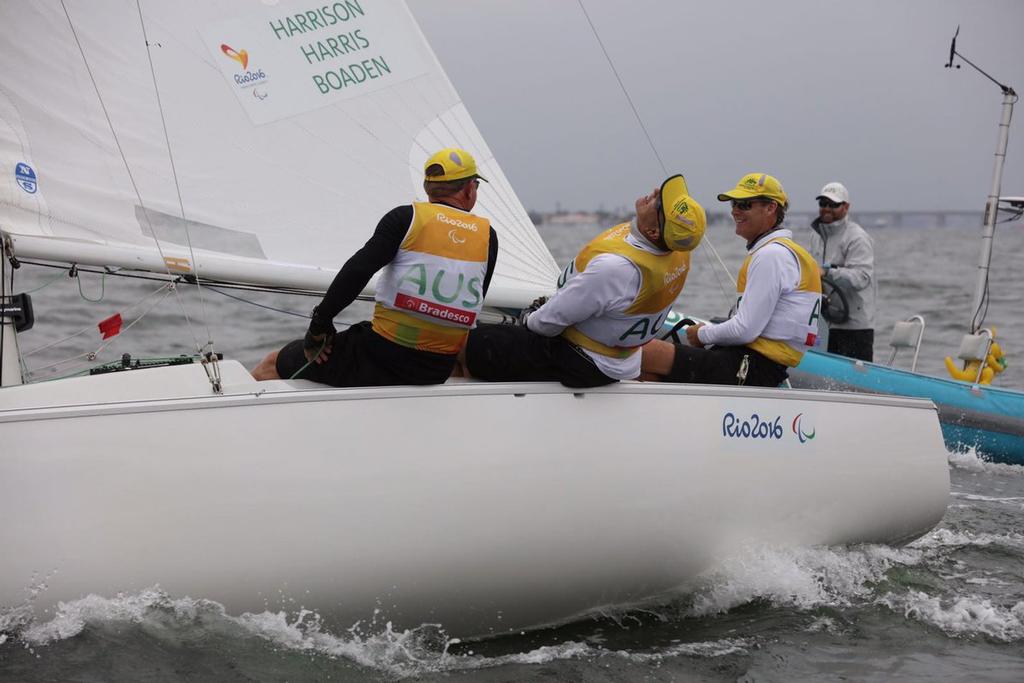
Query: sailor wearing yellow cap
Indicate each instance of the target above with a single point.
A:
(776, 313)
(612, 298)
(437, 260)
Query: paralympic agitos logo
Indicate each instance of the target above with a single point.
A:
(764, 427)
(799, 431)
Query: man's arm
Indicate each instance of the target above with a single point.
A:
(765, 277)
(492, 259)
(610, 282)
(378, 251)
(859, 267)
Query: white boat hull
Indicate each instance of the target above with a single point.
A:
(483, 507)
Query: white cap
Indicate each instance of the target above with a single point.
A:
(836, 192)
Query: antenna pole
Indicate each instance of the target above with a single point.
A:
(980, 302)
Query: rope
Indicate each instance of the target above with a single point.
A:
(103, 286)
(44, 286)
(259, 305)
(310, 362)
(89, 328)
(654, 149)
(124, 159)
(177, 189)
(623, 87)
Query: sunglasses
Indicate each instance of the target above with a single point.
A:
(828, 204)
(744, 204)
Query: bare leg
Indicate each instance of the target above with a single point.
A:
(459, 369)
(656, 360)
(267, 368)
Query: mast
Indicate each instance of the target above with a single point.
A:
(991, 209)
(980, 302)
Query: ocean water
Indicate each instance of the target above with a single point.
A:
(949, 606)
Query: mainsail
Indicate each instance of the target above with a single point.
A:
(243, 141)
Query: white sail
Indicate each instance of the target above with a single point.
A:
(241, 140)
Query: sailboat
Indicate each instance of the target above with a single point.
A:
(974, 413)
(257, 144)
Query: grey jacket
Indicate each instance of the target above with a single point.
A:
(850, 252)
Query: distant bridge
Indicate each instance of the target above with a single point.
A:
(886, 219)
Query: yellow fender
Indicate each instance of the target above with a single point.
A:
(970, 372)
(995, 359)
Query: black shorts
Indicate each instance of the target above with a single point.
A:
(720, 365)
(362, 358)
(858, 344)
(507, 353)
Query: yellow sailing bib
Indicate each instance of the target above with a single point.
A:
(793, 327)
(429, 296)
(620, 334)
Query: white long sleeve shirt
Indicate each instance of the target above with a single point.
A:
(773, 273)
(609, 283)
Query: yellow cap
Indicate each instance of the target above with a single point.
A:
(456, 164)
(685, 220)
(757, 185)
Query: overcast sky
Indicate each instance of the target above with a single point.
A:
(807, 90)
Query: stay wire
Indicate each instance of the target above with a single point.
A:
(177, 184)
(625, 92)
(650, 141)
(103, 346)
(166, 287)
(259, 305)
(124, 160)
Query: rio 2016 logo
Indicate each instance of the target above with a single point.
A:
(799, 431)
(754, 428)
(770, 428)
(247, 78)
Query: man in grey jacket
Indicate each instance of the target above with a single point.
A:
(847, 257)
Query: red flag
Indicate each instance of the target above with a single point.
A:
(111, 326)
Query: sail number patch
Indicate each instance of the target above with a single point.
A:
(26, 177)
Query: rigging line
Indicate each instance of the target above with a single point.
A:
(103, 288)
(177, 184)
(726, 293)
(35, 371)
(44, 286)
(89, 327)
(386, 113)
(622, 85)
(636, 113)
(259, 305)
(124, 159)
(498, 202)
(462, 134)
(127, 327)
(177, 279)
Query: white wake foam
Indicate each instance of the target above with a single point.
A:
(399, 654)
(948, 538)
(970, 461)
(963, 615)
(803, 578)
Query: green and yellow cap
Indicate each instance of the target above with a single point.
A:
(685, 220)
(757, 186)
(451, 163)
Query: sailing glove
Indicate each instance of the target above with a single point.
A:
(525, 313)
(320, 331)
